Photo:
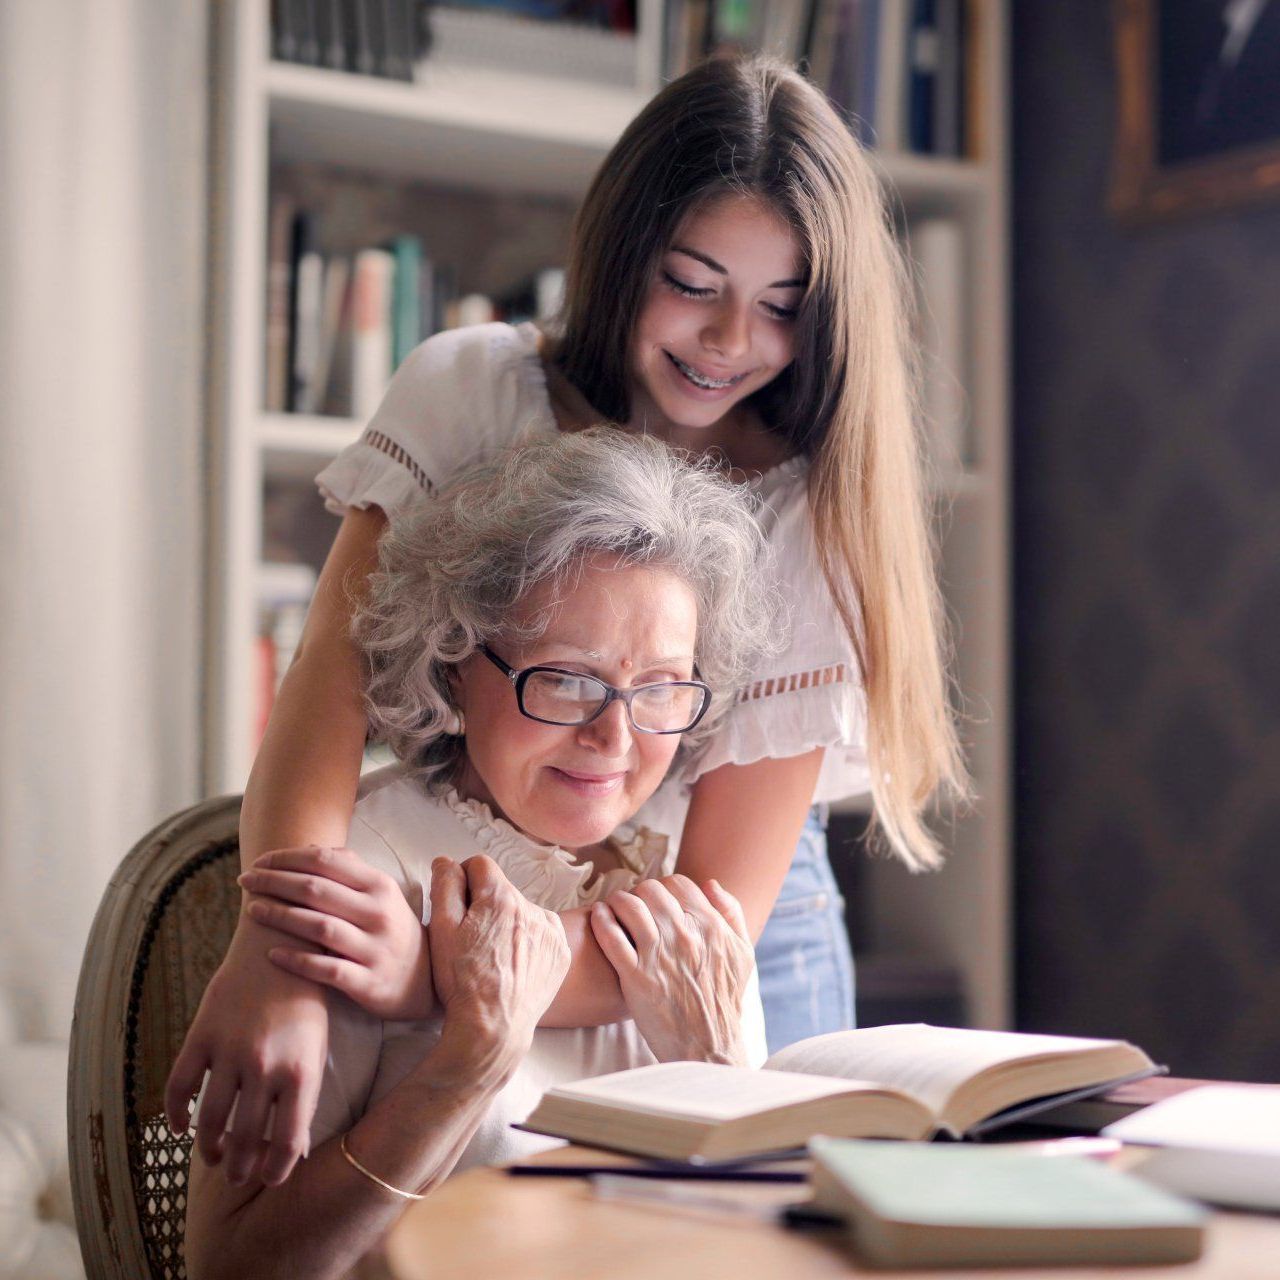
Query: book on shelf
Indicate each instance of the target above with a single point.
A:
(306, 286)
(930, 1205)
(278, 326)
(370, 37)
(371, 342)
(406, 297)
(334, 304)
(896, 68)
(909, 1081)
(338, 324)
(1218, 1142)
(595, 44)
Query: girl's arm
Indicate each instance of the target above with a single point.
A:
(261, 1032)
(741, 830)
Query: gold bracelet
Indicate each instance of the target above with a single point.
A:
(373, 1177)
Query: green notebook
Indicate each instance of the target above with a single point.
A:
(940, 1205)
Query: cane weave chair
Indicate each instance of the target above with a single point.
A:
(162, 928)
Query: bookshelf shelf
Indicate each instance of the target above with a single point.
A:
(465, 127)
(491, 141)
(297, 445)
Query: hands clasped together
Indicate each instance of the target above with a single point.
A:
(489, 959)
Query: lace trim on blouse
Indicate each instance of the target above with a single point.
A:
(384, 444)
(547, 874)
(835, 673)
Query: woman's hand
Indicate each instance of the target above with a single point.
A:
(261, 1035)
(497, 958)
(375, 947)
(683, 957)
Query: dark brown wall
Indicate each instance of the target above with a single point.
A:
(1147, 541)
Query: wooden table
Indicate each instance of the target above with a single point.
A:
(487, 1225)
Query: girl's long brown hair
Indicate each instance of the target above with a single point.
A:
(754, 126)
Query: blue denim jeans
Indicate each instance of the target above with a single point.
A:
(803, 956)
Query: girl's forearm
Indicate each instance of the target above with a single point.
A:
(590, 995)
(303, 786)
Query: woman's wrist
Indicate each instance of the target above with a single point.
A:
(473, 1055)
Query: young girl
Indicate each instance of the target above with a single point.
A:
(733, 287)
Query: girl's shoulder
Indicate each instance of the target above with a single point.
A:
(485, 370)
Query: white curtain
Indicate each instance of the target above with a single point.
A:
(102, 248)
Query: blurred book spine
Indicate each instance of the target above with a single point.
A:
(369, 37)
(899, 70)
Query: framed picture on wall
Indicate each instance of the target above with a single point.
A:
(1198, 105)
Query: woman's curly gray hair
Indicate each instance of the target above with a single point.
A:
(450, 578)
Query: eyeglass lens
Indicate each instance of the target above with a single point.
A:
(564, 698)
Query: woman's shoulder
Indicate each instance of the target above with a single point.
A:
(397, 814)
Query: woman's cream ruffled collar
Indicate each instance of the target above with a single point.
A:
(549, 875)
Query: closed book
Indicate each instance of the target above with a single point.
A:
(922, 79)
(916, 1205)
(907, 1081)
(279, 269)
(1092, 1115)
(406, 302)
(370, 330)
(891, 75)
(305, 297)
(333, 307)
(1219, 1143)
(947, 107)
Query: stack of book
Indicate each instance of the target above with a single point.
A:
(897, 68)
(339, 324)
(369, 37)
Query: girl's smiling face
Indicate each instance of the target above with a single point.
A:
(718, 320)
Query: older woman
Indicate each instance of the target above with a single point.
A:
(543, 639)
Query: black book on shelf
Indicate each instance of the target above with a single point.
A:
(331, 34)
(305, 25)
(922, 76)
(361, 15)
(396, 61)
(284, 39)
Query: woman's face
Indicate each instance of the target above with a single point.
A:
(573, 785)
(718, 320)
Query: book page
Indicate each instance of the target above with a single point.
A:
(929, 1063)
(1220, 1117)
(704, 1090)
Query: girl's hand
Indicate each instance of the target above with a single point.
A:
(498, 958)
(683, 957)
(261, 1035)
(375, 947)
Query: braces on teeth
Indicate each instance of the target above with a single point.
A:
(708, 384)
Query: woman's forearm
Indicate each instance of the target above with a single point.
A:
(328, 1215)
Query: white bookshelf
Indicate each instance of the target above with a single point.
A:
(502, 133)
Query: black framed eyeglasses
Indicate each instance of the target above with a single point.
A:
(552, 695)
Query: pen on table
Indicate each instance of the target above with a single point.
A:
(643, 1191)
(683, 1173)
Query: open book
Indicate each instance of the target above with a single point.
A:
(906, 1081)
